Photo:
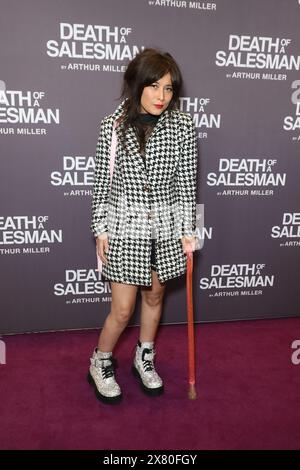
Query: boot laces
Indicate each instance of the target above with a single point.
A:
(109, 370)
(148, 363)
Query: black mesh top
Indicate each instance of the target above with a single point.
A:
(148, 120)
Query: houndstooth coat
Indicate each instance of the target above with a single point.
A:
(151, 198)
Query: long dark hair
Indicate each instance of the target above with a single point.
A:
(146, 67)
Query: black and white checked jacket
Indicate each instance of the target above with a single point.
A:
(149, 198)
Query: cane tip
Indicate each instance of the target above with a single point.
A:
(192, 392)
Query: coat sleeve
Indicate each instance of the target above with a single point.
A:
(101, 183)
(187, 178)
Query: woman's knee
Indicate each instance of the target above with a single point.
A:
(153, 299)
(122, 313)
(123, 302)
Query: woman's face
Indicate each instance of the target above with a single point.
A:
(158, 93)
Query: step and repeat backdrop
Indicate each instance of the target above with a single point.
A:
(62, 64)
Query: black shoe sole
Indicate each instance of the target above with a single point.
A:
(152, 392)
(104, 399)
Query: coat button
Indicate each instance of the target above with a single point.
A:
(146, 187)
(149, 215)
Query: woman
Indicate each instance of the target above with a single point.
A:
(145, 224)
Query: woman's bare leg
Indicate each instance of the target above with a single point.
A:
(122, 308)
(152, 299)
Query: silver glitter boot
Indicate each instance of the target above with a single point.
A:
(102, 377)
(143, 368)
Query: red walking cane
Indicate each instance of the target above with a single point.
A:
(191, 333)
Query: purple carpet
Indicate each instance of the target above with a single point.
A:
(248, 391)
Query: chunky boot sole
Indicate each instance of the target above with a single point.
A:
(103, 398)
(153, 392)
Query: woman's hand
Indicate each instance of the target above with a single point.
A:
(102, 246)
(188, 244)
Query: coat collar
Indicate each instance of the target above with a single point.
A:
(132, 143)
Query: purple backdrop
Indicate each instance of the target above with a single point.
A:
(61, 72)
